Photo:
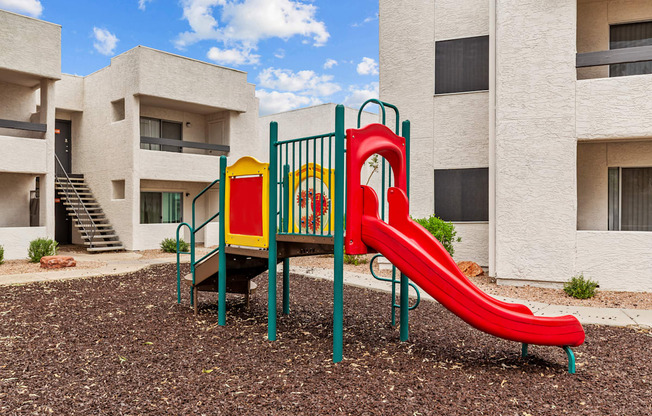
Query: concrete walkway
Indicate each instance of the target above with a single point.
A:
(128, 262)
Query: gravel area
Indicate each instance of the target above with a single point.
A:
(120, 345)
(603, 298)
(24, 266)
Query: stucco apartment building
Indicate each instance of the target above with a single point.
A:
(531, 131)
(113, 159)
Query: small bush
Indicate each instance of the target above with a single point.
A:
(355, 259)
(2, 254)
(41, 247)
(580, 288)
(442, 230)
(169, 245)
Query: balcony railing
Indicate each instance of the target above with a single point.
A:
(614, 56)
(181, 144)
(23, 125)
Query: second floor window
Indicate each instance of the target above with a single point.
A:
(160, 129)
(462, 65)
(630, 35)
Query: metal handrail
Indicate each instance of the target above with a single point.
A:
(81, 223)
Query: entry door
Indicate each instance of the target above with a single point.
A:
(62, 143)
(62, 148)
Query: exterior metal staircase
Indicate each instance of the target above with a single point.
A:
(87, 215)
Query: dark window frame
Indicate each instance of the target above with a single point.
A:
(630, 68)
(458, 69)
(460, 201)
(162, 148)
(180, 216)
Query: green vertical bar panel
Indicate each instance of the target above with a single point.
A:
(406, 135)
(221, 276)
(286, 261)
(405, 329)
(338, 270)
(273, 180)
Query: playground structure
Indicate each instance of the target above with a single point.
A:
(295, 206)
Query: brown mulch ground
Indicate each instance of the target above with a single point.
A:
(120, 345)
(603, 298)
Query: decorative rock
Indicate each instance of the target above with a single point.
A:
(470, 269)
(57, 262)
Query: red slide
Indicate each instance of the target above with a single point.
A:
(426, 262)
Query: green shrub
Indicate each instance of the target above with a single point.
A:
(580, 288)
(2, 254)
(41, 247)
(169, 245)
(354, 259)
(442, 230)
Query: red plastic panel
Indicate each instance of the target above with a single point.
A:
(360, 145)
(426, 264)
(246, 205)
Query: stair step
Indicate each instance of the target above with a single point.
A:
(86, 225)
(104, 236)
(103, 243)
(78, 204)
(97, 249)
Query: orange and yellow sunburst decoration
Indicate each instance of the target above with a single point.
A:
(310, 205)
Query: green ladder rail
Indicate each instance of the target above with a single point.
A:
(404, 285)
(566, 348)
(394, 282)
(193, 229)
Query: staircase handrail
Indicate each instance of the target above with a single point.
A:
(70, 185)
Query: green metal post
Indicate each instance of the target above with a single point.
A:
(286, 223)
(405, 329)
(571, 359)
(221, 276)
(273, 186)
(338, 270)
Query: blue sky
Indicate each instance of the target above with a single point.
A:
(297, 52)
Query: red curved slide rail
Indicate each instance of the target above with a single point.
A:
(423, 259)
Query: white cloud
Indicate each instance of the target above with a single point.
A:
(142, 4)
(367, 66)
(33, 8)
(330, 63)
(366, 20)
(275, 102)
(358, 95)
(280, 53)
(232, 56)
(105, 41)
(250, 21)
(302, 82)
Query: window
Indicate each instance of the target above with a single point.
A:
(462, 194)
(462, 65)
(160, 129)
(630, 199)
(630, 35)
(161, 207)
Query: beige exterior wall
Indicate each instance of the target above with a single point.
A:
(618, 260)
(29, 47)
(618, 107)
(107, 149)
(448, 131)
(15, 240)
(535, 140)
(15, 209)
